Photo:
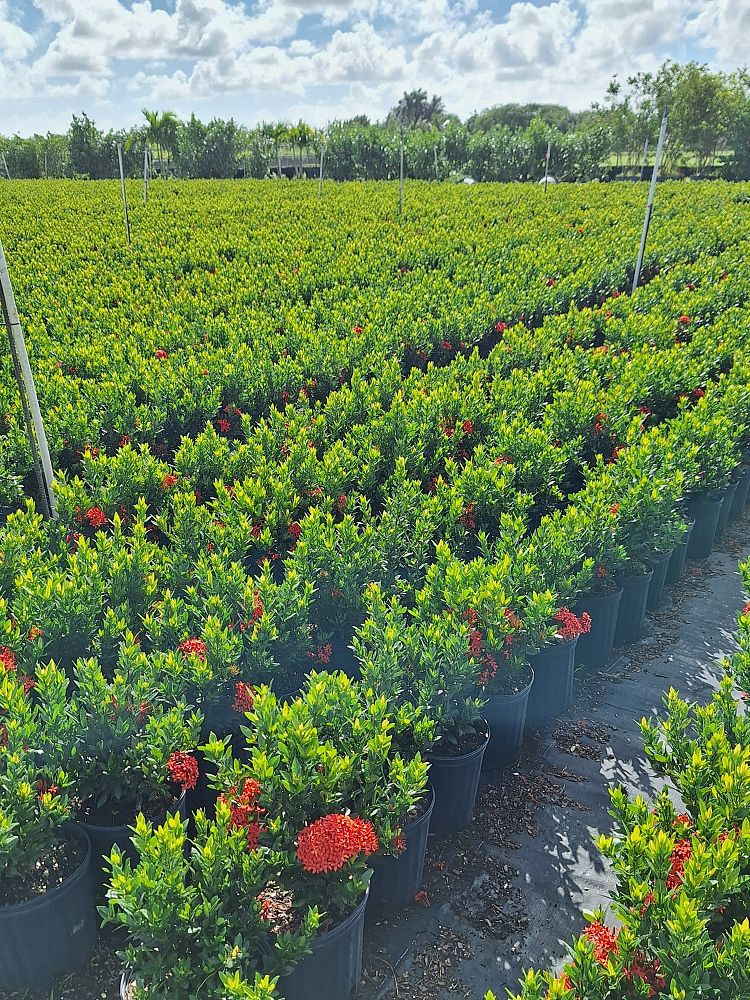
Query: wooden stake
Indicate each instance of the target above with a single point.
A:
(124, 195)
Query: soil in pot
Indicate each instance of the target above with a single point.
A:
(48, 927)
(706, 511)
(552, 691)
(334, 969)
(632, 610)
(396, 879)
(595, 647)
(659, 564)
(454, 776)
(740, 497)
(506, 715)
(676, 566)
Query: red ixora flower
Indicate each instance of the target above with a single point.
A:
(681, 853)
(161, 354)
(746, 609)
(35, 633)
(614, 508)
(684, 320)
(195, 647)
(699, 393)
(244, 810)
(601, 571)
(569, 626)
(182, 768)
(223, 424)
(294, 530)
(169, 480)
(328, 843)
(96, 517)
(359, 329)
(244, 697)
(467, 427)
(604, 940)
(501, 327)
(7, 658)
(322, 654)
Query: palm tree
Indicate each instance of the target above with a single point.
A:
(161, 130)
(416, 109)
(275, 134)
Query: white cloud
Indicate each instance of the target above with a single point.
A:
(318, 59)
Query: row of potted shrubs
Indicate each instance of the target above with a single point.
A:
(680, 925)
(312, 795)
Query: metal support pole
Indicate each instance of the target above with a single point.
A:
(5, 165)
(145, 175)
(437, 169)
(546, 164)
(124, 195)
(401, 178)
(650, 205)
(30, 404)
(320, 178)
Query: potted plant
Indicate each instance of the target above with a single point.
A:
(329, 777)
(340, 558)
(48, 922)
(126, 752)
(213, 916)
(553, 664)
(422, 658)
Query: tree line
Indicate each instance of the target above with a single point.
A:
(709, 135)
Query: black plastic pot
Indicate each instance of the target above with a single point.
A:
(506, 715)
(104, 838)
(660, 564)
(595, 647)
(395, 880)
(632, 608)
(343, 658)
(334, 969)
(52, 935)
(740, 496)
(455, 781)
(726, 508)
(677, 560)
(552, 690)
(5, 513)
(706, 512)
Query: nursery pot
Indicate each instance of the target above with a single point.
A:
(395, 880)
(726, 507)
(706, 512)
(104, 838)
(455, 781)
(52, 935)
(659, 564)
(594, 647)
(506, 714)
(740, 497)
(632, 609)
(343, 658)
(677, 560)
(334, 969)
(552, 690)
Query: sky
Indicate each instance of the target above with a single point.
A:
(258, 60)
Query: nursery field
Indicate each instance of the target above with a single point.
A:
(343, 499)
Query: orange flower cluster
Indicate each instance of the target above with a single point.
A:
(96, 517)
(328, 843)
(683, 849)
(604, 940)
(7, 658)
(244, 810)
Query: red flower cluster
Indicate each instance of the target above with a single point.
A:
(169, 481)
(699, 393)
(194, 647)
(96, 517)
(684, 320)
(475, 643)
(322, 654)
(244, 697)
(183, 768)
(467, 427)
(224, 426)
(446, 426)
(489, 671)
(7, 659)
(467, 519)
(294, 530)
(604, 940)
(648, 972)
(570, 627)
(746, 609)
(359, 329)
(501, 327)
(161, 354)
(400, 842)
(244, 810)
(681, 853)
(614, 508)
(327, 844)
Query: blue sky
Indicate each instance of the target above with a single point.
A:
(321, 59)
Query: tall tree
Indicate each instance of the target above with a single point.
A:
(415, 109)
